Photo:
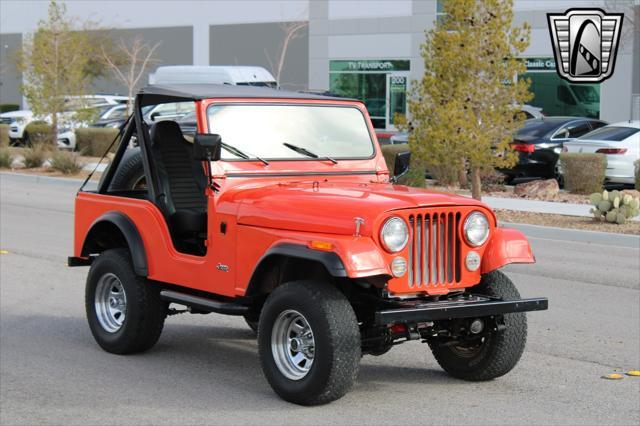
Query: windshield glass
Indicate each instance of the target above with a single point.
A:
(610, 133)
(262, 131)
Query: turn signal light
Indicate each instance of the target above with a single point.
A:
(523, 147)
(321, 245)
(611, 151)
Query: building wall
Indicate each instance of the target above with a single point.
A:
(175, 48)
(10, 77)
(260, 44)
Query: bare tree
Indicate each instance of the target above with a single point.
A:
(129, 62)
(292, 31)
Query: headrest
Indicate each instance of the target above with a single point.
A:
(165, 132)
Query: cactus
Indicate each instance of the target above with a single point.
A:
(595, 198)
(604, 206)
(614, 206)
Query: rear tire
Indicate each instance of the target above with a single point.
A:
(314, 321)
(498, 353)
(124, 311)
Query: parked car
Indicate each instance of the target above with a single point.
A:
(112, 116)
(19, 115)
(620, 142)
(18, 121)
(283, 211)
(540, 141)
(188, 124)
(171, 111)
(66, 137)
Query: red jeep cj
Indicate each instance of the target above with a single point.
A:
(279, 207)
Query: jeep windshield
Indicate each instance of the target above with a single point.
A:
(268, 131)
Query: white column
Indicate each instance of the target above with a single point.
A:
(201, 43)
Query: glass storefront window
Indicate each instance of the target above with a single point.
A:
(369, 88)
(380, 84)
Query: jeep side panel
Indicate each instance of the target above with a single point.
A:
(164, 263)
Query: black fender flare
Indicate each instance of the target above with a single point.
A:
(330, 260)
(131, 236)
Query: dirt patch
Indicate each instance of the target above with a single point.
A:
(572, 222)
(507, 192)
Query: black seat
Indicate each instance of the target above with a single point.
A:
(182, 181)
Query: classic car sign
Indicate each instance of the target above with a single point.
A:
(585, 43)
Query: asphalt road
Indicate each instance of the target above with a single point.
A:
(205, 369)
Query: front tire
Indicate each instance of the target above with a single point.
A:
(309, 343)
(496, 354)
(124, 311)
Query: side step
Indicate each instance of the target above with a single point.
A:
(204, 304)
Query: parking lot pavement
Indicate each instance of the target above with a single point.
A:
(205, 367)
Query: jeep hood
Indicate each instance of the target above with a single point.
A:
(330, 207)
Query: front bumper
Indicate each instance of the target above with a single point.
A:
(471, 306)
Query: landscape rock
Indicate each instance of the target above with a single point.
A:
(538, 189)
(633, 192)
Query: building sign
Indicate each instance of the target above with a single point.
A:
(540, 64)
(369, 65)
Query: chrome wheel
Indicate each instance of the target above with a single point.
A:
(110, 303)
(292, 344)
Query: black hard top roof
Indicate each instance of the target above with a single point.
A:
(155, 94)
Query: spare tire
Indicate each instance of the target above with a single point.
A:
(130, 173)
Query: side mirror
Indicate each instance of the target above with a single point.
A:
(153, 116)
(401, 165)
(207, 147)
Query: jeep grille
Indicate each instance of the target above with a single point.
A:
(434, 249)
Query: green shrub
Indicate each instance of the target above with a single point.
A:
(637, 171)
(583, 173)
(94, 141)
(6, 159)
(8, 108)
(66, 162)
(39, 133)
(415, 176)
(4, 135)
(35, 155)
(614, 206)
(389, 152)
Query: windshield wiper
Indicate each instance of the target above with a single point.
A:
(236, 151)
(304, 151)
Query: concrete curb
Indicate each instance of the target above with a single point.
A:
(576, 235)
(41, 179)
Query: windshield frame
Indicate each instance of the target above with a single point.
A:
(287, 102)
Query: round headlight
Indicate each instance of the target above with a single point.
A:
(476, 229)
(394, 234)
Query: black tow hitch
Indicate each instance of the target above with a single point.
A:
(471, 306)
